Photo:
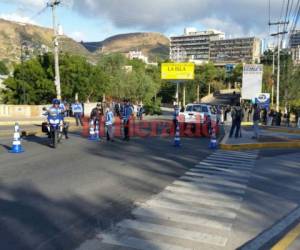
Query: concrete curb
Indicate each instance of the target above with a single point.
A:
(272, 235)
(266, 145)
(284, 130)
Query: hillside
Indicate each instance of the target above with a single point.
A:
(34, 38)
(154, 45)
(18, 39)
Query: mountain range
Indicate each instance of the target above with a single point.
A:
(18, 40)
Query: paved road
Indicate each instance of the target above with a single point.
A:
(144, 194)
(222, 202)
(56, 199)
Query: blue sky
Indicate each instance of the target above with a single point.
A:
(95, 20)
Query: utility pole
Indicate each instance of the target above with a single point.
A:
(273, 74)
(53, 4)
(278, 34)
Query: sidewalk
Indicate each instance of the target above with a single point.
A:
(268, 139)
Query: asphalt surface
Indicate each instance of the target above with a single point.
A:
(57, 198)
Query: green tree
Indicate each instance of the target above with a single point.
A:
(3, 69)
(29, 85)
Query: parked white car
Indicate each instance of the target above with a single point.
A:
(195, 113)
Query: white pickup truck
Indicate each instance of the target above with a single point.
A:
(195, 113)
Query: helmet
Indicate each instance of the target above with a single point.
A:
(55, 101)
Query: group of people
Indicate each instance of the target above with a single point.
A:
(238, 115)
(109, 111)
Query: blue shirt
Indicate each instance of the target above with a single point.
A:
(127, 112)
(109, 118)
(176, 113)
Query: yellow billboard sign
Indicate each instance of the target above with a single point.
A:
(177, 71)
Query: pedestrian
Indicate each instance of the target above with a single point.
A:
(249, 114)
(175, 117)
(140, 111)
(278, 118)
(109, 122)
(77, 111)
(237, 117)
(288, 117)
(256, 118)
(270, 117)
(96, 114)
(126, 115)
(264, 116)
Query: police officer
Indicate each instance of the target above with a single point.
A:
(60, 107)
(77, 111)
(126, 115)
(109, 118)
(175, 116)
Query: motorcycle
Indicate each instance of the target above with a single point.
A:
(53, 127)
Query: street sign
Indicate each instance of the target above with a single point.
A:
(178, 71)
(263, 100)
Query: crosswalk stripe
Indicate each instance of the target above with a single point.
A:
(224, 164)
(210, 165)
(175, 197)
(179, 217)
(253, 153)
(217, 177)
(228, 163)
(205, 193)
(211, 182)
(174, 232)
(243, 163)
(235, 156)
(216, 174)
(136, 243)
(217, 212)
(213, 158)
(213, 187)
(219, 171)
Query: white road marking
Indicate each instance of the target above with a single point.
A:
(211, 186)
(180, 217)
(221, 170)
(217, 177)
(175, 232)
(177, 198)
(136, 243)
(155, 204)
(208, 164)
(229, 162)
(221, 165)
(214, 173)
(212, 181)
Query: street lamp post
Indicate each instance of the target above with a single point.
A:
(53, 5)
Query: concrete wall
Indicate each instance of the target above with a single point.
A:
(21, 111)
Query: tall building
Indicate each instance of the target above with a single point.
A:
(295, 39)
(294, 45)
(137, 54)
(193, 45)
(235, 50)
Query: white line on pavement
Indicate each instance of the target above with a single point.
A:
(136, 243)
(174, 232)
(180, 217)
(223, 213)
(176, 198)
